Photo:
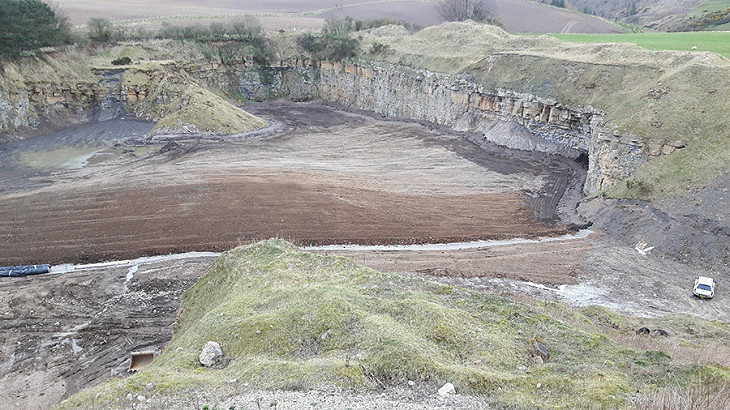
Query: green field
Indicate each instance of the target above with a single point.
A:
(714, 41)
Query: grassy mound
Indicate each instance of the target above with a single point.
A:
(196, 110)
(288, 319)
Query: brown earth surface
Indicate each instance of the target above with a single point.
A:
(327, 177)
(320, 175)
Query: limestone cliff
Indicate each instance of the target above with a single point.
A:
(513, 119)
(158, 91)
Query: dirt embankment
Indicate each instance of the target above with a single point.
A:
(60, 333)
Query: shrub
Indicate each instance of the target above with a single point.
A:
(385, 21)
(122, 61)
(328, 47)
(379, 48)
(100, 30)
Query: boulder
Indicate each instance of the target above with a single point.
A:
(642, 331)
(211, 354)
(659, 332)
(447, 389)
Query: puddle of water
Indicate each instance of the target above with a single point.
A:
(75, 347)
(129, 277)
(68, 268)
(72, 331)
(66, 157)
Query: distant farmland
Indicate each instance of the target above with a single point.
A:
(714, 41)
(517, 16)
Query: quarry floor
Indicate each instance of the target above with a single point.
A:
(319, 175)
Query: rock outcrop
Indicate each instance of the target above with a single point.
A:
(512, 119)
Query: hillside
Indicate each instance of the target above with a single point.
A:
(649, 94)
(291, 320)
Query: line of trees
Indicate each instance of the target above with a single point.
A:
(27, 25)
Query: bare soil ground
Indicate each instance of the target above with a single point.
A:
(517, 16)
(337, 178)
(60, 333)
(321, 175)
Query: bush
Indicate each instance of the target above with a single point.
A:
(329, 47)
(100, 30)
(27, 25)
(379, 48)
(385, 21)
(122, 61)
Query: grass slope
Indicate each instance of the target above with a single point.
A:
(287, 319)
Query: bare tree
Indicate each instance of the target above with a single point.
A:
(460, 10)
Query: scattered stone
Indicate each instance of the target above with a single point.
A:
(477, 362)
(411, 383)
(149, 386)
(538, 360)
(140, 398)
(538, 349)
(655, 147)
(659, 332)
(539, 385)
(677, 144)
(211, 354)
(447, 389)
(643, 248)
(130, 397)
(643, 331)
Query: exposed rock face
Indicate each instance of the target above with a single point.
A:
(516, 120)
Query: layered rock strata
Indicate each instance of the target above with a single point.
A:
(512, 119)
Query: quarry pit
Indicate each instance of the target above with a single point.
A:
(321, 174)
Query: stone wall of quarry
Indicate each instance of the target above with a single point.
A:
(512, 119)
(76, 101)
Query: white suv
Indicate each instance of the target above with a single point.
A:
(704, 287)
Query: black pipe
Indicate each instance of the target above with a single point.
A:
(15, 271)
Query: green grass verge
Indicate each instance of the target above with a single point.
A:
(713, 41)
(292, 320)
